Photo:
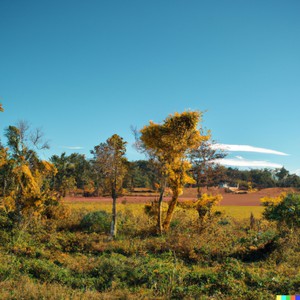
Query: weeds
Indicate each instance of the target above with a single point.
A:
(74, 258)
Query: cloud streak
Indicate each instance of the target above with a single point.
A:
(248, 163)
(297, 172)
(72, 147)
(247, 148)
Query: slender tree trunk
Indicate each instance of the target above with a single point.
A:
(199, 194)
(171, 208)
(159, 217)
(113, 228)
(4, 187)
(97, 185)
(163, 184)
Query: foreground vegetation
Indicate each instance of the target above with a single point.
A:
(186, 250)
(71, 256)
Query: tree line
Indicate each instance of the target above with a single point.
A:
(178, 154)
(82, 176)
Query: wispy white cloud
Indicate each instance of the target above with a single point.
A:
(297, 172)
(247, 148)
(72, 147)
(240, 162)
(239, 157)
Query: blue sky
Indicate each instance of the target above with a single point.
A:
(83, 70)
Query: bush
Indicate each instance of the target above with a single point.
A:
(5, 220)
(284, 210)
(97, 221)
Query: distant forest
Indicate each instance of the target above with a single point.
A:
(78, 175)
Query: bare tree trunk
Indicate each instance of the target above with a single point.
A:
(18, 210)
(199, 194)
(4, 187)
(159, 217)
(113, 228)
(170, 212)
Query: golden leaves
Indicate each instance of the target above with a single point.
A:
(26, 179)
(170, 141)
(209, 200)
(29, 183)
(48, 168)
(3, 157)
(174, 136)
(272, 201)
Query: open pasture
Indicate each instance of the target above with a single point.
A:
(234, 211)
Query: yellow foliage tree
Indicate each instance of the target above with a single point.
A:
(272, 201)
(3, 156)
(204, 205)
(29, 194)
(170, 143)
(26, 175)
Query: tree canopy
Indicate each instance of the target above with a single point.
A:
(170, 143)
(205, 167)
(24, 176)
(111, 162)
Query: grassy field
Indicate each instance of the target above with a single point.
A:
(72, 256)
(238, 212)
(242, 212)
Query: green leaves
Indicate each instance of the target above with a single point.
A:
(286, 211)
(110, 161)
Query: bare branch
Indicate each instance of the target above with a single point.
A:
(23, 127)
(36, 138)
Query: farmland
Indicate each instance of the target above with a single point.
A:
(229, 199)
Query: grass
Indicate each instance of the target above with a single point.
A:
(238, 212)
(222, 258)
(95, 206)
(241, 212)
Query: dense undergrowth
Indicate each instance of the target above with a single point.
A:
(74, 258)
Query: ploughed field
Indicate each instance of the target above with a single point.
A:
(249, 199)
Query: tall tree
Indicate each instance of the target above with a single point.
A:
(158, 169)
(64, 181)
(205, 162)
(282, 176)
(73, 173)
(170, 143)
(141, 173)
(282, 173)
(25, 186)
(111, 162)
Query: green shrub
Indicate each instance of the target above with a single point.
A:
(284, 211)
(41, 269)
(75, 242)
(96, 221)
(5, 220)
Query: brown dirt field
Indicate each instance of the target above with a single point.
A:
(250, 199)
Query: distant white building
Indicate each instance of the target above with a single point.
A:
(224, 185)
